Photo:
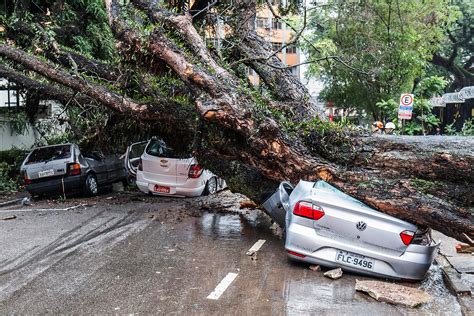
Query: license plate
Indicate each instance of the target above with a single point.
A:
(356, 260)
(46, 173)
(161, 189)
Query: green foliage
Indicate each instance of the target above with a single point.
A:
(459, 40)
(95, 38)
(389, 42)
(332, 140)
(467, 129)
(18, 123)
(81, 25)
(423, 120)
(388, 109)
(10, 162)
(7, 184)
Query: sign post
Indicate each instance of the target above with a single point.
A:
(405, 109)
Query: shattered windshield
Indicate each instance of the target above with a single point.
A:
(322, 185)
(158, 148)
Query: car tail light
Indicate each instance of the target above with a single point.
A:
(140, 165)
(26, 179)
(407, 236)
(73, 169)
(195, 171)
(308, 210)
(295, 254)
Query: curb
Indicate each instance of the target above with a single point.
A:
(11, 202)
(457, 287)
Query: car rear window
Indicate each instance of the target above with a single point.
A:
(49, 153)
(158, 148)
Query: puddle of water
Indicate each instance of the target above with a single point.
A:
(222, 226)
(231, 226)
(326, 297)
(444, 302)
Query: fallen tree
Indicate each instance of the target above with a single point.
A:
(255, 140)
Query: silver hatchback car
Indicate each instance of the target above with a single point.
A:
(328, 227)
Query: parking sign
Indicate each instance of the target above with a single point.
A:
(406, 106)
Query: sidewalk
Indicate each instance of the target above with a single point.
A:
(458, 271)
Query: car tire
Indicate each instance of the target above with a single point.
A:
(129, 180)
(91, 188)
(211, 186)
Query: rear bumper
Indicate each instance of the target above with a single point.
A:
(413, 264)
(70, 183)
(188, 190)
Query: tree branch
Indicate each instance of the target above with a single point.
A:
(99, 93)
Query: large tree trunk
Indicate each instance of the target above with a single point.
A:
(427, 181)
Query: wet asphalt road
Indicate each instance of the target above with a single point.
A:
(131, 254)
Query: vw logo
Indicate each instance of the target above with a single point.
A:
(361, 226)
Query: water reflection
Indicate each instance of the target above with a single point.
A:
(327, 297)
(220, 226)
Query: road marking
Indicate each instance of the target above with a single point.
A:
(256, 247)
(222, 286)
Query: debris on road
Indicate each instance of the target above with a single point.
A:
(393, 293)
(452, 278)
(464, 248)
(277, 230)
(255, 247)
(315, 268)
(8, 218)
(248, 204)
(334, 274)
(254, 256)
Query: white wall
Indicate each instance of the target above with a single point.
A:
(9, 139)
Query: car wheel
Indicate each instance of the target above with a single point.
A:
(90, 185)
(129, 180)
(211, 186)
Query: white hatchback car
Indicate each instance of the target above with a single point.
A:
(158, 170)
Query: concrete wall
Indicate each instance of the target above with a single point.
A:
(9, 139)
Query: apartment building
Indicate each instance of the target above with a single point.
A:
(273, 30)
(277, 33)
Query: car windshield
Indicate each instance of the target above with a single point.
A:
(158, 148)
(45, 154)
(326, 186)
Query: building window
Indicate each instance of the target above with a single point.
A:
(291, 49)
(276, 46)
(10, 97)
(262, 23)
(276, 24)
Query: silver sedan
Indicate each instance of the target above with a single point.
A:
(328, 227)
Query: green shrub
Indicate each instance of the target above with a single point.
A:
(10, 162)
(7, 184)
